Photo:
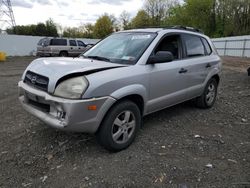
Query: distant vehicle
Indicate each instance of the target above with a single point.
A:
(128, 75)
(60, 47)
(88, 47)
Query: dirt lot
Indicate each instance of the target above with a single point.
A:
(166, 152)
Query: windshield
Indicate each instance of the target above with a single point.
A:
(124, 48)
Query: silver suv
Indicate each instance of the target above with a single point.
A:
(60, 47)
(126, 76)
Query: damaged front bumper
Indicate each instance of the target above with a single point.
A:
(64, 114)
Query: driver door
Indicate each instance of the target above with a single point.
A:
(168, 80)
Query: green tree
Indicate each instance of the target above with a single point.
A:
(141, 20)
(40, 29)
(217, 18)
(124, 20)
(51, 28)
(158, 10)
(103, 26)
(88, 30)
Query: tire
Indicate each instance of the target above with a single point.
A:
(120, 126)
(63, 54)
(208, 98)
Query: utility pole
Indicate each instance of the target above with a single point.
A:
(7, 18)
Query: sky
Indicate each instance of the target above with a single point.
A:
(70, 13)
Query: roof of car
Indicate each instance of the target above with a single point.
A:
(155, 30)
(150, 30)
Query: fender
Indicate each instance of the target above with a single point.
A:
(135, 89)
(215, 71)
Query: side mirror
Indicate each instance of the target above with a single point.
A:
(161, 57)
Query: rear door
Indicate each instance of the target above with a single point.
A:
(198, 63)
(58, 45)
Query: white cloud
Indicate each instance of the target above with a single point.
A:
(21, 3)
(69, 13)
(110, 2)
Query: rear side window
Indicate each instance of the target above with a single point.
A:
(72, 42)
(80, 43)
(58, 42)
(207, 46)
(194, 46)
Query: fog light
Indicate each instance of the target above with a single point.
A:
(60, 114)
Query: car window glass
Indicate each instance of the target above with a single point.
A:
(72, 42)
(80, 43)
(170, 44)
(58, 42)
(41, 41)
(194, 46)
(124, 48)
(207, 46)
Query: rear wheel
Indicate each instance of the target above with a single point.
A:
(208, 98)
(119, 127)
(63, 54)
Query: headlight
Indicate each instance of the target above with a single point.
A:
(72, 88)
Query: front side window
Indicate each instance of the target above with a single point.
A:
(171, 44)
(72, 42)
(194, 46)
(124, 48)
(80, 43)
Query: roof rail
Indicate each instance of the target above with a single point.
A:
(185, 28)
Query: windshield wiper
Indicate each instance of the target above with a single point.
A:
(98, 58)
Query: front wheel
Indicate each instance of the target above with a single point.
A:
(208, 98)
(119, 127)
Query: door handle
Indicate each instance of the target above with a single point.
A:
(183, 70)
(79, 48)
(208, 65)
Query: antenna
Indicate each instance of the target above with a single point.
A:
(6, 15)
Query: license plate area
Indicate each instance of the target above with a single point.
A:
(31, 96)
(37, 102)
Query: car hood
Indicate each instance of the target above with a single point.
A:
(56, 68)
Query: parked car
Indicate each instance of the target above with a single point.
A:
(126, 76)
(88, 47)
(60, 47)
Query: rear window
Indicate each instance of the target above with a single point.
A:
(194, 46)
(58, 42)
(72, 42)
(207, 46)
(42, 41)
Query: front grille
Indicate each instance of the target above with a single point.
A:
(36, 80)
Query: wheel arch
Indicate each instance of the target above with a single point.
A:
(217, 78)
(63, 51)
(136, 94)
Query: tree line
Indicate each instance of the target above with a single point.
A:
(49, 28)
(216, 18)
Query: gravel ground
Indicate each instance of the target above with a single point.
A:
(178, 147)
